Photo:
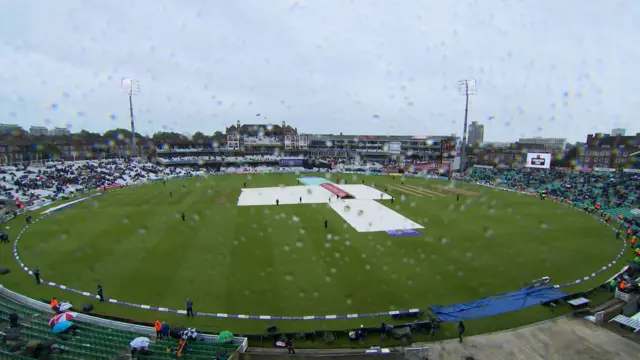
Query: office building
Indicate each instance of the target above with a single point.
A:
(549, 144)
(38, 131)
(476, 134)
(60, 132)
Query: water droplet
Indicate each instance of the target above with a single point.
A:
(488, 232)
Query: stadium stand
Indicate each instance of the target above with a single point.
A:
(89, 341)
(613, 194)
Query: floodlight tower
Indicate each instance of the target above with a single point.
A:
(131, 87)
(466, 88)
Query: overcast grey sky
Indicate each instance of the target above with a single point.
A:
(554, 68)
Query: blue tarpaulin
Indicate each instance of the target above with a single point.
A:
(498, 304)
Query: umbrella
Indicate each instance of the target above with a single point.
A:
(62, 317)
(140, 342)
(61, 327)
(225, 337)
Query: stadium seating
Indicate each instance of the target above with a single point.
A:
(615, 193)
(93, 341)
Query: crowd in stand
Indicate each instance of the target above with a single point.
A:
(616, 193)
(29, 183)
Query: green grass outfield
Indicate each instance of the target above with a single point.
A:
(271, 260)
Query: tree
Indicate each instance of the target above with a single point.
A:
(199, 136)
(572, 154)
(218, 135)
(85, 133)
(161, 135)
(120, 134)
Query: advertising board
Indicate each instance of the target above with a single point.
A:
(290, 162)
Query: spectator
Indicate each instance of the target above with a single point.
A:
(36, 274)
(189, 307)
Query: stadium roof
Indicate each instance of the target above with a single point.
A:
(378, 137)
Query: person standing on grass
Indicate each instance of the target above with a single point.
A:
(100, 292)
(460, 330)
(36, 274)
(27, 218)
(457, 197)
(277, 202)
(300, 199)
(326, 225)
(290, 346)
(170, 194)
(183, 216)
(189, 307)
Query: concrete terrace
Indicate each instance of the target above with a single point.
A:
(562, 339)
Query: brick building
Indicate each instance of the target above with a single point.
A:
(604, 151)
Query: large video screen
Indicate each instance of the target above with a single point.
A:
(538, 160)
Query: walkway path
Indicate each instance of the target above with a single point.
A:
(565, 338)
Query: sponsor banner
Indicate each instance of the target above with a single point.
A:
(394, 174)
(431, 166)
(604, 170)
(248, 172)
(114, 186)
(290, 162)
(538, 160)
(403, 232)
(483, 166)
(60, 207)
(632, 171)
